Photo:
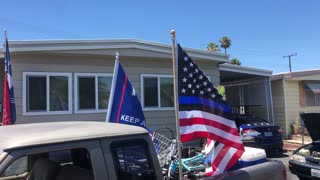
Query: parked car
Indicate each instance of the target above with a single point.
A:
(305, 161)
(259, 133)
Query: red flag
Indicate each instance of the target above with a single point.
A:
(6, 111)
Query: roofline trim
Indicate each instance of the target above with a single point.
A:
(243, 69)
(64, 45)
(291, 75)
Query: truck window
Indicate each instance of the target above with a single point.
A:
(132, 160)
(59, 165)
(19, 166)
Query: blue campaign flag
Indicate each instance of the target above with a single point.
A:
(124, 105)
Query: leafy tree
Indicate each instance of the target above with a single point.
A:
(235, 61)
(213, 47)
(225, 42)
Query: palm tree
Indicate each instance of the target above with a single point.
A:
(213, 47)
(225, 42)
(235, 61)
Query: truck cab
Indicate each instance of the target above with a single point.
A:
(77, 150)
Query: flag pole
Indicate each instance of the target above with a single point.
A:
(175, 92)
(5, 44)
(5, 71)
(5, 34)
(4, 52)
(113, 86)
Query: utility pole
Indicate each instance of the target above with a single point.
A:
(289, 56)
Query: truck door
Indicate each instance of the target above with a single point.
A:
(70, 160)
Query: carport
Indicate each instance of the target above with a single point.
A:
(248, 90)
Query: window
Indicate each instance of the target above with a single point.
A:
(92, 92)
(157, 91)
(132, 160)
(46, 93)
(19, 166)
(61, 164)
(312, 93)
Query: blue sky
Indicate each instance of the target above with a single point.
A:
(262, 32)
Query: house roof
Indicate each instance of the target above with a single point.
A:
(299, 75)
(231, 72)
(55, 132)
(125, 47)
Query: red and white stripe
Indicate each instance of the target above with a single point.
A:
(223, 157)
(209, 146)
(197, 124)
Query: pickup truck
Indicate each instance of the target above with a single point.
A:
(93, 150)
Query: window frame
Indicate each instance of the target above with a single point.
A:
(315, 96)
(47, 76)
(23, 160)
(76, 92)
(158, 76)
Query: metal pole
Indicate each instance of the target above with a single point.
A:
(4, 43)
(271, 101)
(5, 34)
(302, 129)
(290, 62)
(175, 93)
(6, 66)
(113, 86)
(289, 56)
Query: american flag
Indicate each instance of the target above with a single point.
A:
(204, 114)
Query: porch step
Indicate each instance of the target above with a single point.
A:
(290, 146)
(299, 138)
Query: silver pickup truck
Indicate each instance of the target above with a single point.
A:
(93, 150)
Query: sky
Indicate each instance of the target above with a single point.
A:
(262, 32)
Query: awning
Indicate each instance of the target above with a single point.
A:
(314, 87)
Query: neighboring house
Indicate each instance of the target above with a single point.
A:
(68, 80)
(293, 93)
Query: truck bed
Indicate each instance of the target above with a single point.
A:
(264, 171)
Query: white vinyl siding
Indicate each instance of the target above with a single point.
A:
(92, 92)
(78, 63)
(47, 93)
